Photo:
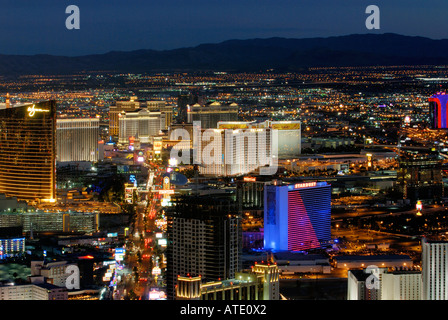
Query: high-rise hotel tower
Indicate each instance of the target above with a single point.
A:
(27, 151)
(438, 110)
(77, 139)
(114, 111)
(211, 113)
(434, 269)
(297, 216)
(204, 239)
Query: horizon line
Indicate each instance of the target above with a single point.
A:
(217, 43)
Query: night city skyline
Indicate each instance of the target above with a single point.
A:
(224, 158)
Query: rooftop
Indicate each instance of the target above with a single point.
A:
(372, 257)
(298, 256)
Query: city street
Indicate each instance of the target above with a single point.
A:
(137, 279)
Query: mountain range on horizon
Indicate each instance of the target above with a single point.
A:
(282, 54)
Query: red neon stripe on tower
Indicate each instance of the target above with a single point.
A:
(301, 234)
(438, 112)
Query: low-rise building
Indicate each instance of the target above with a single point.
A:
(384, 284)
(53, 272)
(261, 283)
(363, 261)
(33, 291)
(290, 262)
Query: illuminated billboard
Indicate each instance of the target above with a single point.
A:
(158, 145)
(156, 271)
(249, 179)
(156, 294)
(139, 156)
(166, 183)
(164, 192)
(119, 254)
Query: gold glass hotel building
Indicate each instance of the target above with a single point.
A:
(27, 151)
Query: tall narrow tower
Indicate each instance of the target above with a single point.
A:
(8, 101)
(434, 269)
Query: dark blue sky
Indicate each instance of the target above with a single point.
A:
(32, 27)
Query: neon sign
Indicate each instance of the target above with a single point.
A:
(32, 110)
(305, 185)
(419, 206)
(158, 145)
(119, 254)
(170, 191)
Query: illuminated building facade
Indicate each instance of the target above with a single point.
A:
(114, 111)
(401, 284)
(261, 283)
(247, 150)
(141, 125)
(391, 284)
(181, 135)
(133, 105)
(28, 151)
(33, 291)
(357, 288)
(434, 269)
(51, 221)
(297, 216)
(204, 239)
(288, 137)
(54, 272)
(162, 107)
(11, 246)
(77, 139)
(227, 152)
(438, 111)
(269, 274)
(211, 113)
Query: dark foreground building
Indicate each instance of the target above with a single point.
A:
(204, 239)
(419, 176)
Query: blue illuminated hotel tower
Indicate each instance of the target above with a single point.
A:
(297, 216)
